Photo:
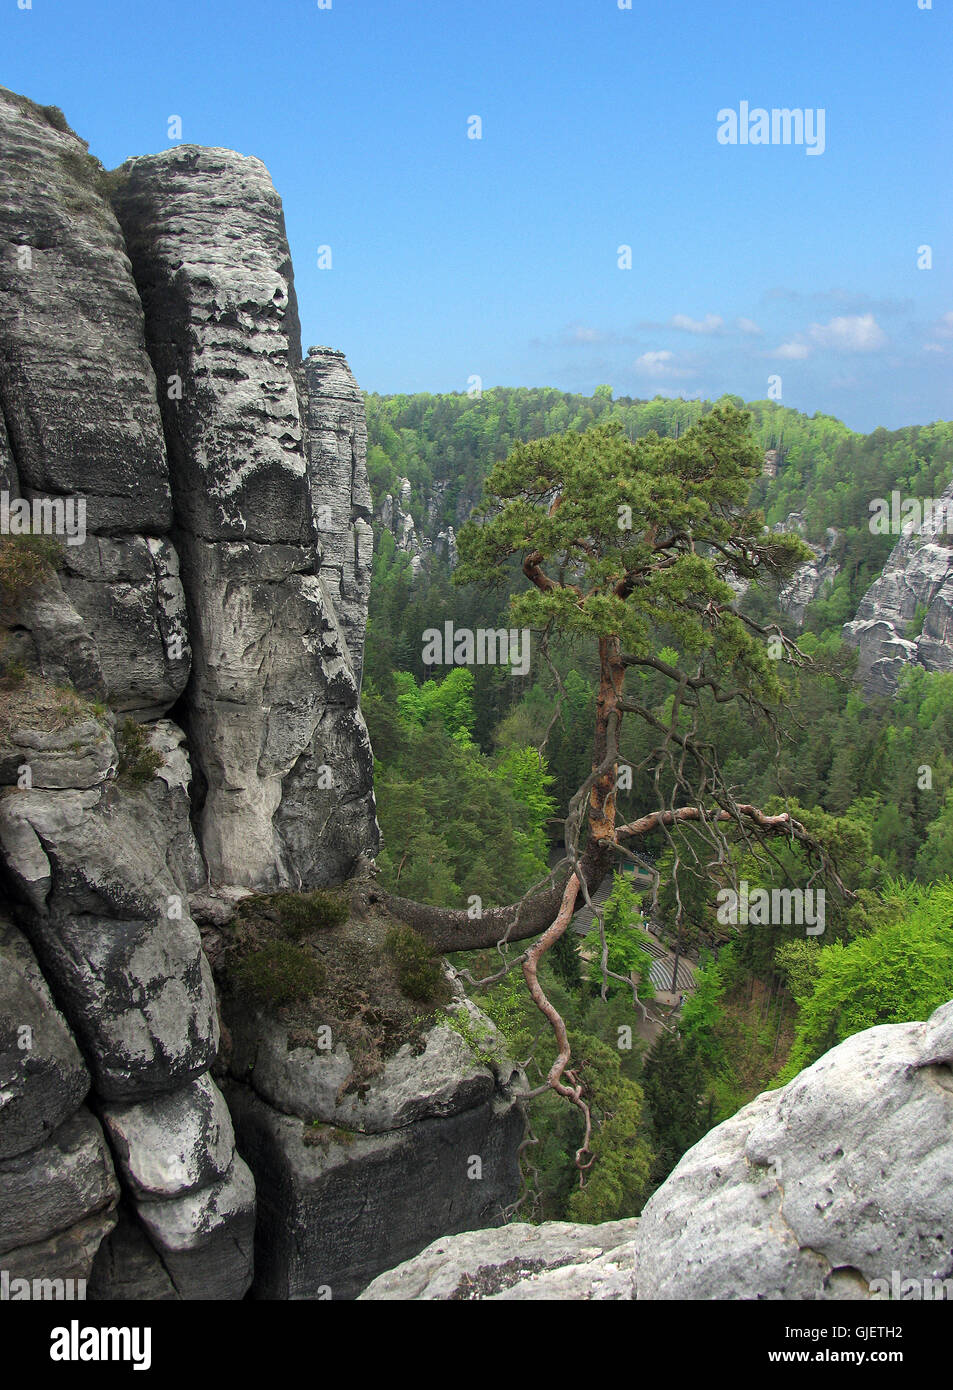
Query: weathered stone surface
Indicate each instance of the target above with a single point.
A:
(170, 795)
(917, 576)
(206, 1238)
(57, 1185)
(335, 1209)
(205, 232)
(127, 1268)
(78, 395)
(327, 817)
(43, 1078)
(172, 1144)
(848, 1168)
(273, 703)
(48, 636)
(336, 451)
(557, 1260)
(443, 1079)
(129, 593)
(130, 974)
(81, 756)
(67, 1255)
(77, 387)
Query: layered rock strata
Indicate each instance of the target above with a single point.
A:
(273, 713)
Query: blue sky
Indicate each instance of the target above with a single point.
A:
(455, 257)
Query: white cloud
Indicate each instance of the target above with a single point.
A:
(850, 333)
(847, 333)
(660, 364)
(711, 323)
(748, 326)
(944, 328)
(792, 352)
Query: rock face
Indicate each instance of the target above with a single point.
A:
(200, 481)
(917, 580)
(556, 1260)
(340, 493)
(79, 400)
(43, 1078)
(103, 907)
(58, 1189)
(810, 579)
(835, 1187)
(273, 702)
(394, 514)
(358, 1167)
(335, 1206)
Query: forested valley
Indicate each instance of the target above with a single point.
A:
(472, 811)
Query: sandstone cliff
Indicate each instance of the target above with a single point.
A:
(906, 616)
(180, 724)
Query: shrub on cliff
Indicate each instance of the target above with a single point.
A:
(279, 973)
(418, 974)
(138, 760)
(301, 913)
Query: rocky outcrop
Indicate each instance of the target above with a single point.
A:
(107, 912)
(341, 1168)
(273, 713)
(906, 616)
(102, 869)
(335, 1207)
(368, 1130)
(43, 1078)
(810, 580)
(58, 1190)
(394, 514)
(838, 1186)
(78, 397)
(554, 1261)
(336, 434)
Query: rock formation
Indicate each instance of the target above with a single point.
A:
(340, 495)
(809, 580)
(906, 616)
(835, 1187)
(179, 725)
(78, 399)
(273, 699)
(394, 514)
